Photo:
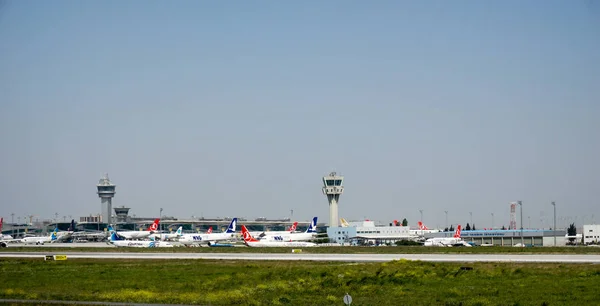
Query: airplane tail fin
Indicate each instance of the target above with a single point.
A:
(246, 235)
(209, 230)
(312, 228)
(179, 231)
(293, 227)
(1, 222)
(154, 225)
(113, 236)
(344, 223)
(422, 226)
(457, 232)
(232, 226)
(54, 234)
(72, 227)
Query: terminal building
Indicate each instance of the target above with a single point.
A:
(527, 237)
(365, 232)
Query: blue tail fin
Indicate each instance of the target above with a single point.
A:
(232, 225)
(312, 228)
(113, 236)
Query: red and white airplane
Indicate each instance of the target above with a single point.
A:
(137, 234)
(252, 242)
(447, 241)
(423, 230)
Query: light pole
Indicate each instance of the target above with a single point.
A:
(421, 211)
(554, 226)
(160, 223)
(521, 205)
(492, 220)
(446, 218)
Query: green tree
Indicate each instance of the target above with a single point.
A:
(468, 227)
(473, 227)
(572, 231)
(404, 222)
(451, 228)
(503, 228)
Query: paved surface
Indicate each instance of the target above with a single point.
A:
(558, 258)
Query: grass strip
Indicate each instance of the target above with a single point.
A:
(207, 282)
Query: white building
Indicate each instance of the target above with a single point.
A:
(367, 232)
(591, 233)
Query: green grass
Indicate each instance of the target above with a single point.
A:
(333, 250)
(208, 282)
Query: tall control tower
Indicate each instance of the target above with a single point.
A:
(333, 188)
(106, 191)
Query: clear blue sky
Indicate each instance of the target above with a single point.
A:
(237, 108)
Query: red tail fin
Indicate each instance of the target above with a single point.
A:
(1, 221)
(246, 235)
(154, 225)
(209, 230)
(293, 227)
(457, 233)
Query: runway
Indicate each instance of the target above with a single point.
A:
(517, 258)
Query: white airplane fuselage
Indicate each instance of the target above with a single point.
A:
(141, 244)
(134, 234)
(289, 237)
(205, 238)
(445, 242)
(36, 240)
(280, 244)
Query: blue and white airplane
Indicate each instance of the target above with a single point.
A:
(212, 238)
(167, 236)
(40, 240)
(309, 234)
(118, 242)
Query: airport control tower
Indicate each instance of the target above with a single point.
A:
(333, 187)
(106, 191)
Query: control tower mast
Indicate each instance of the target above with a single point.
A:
(106, 191)
(333, 188)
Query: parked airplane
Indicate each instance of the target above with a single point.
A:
(252, 242)
(137, 234)
(447, 241)
(311, 233)
(290, 230)
(423, 230)
(167, 236)
(118, 242)
(2, 236)
(40, 240)
(64, 235)
(210, 238)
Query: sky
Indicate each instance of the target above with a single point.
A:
(238, 108)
